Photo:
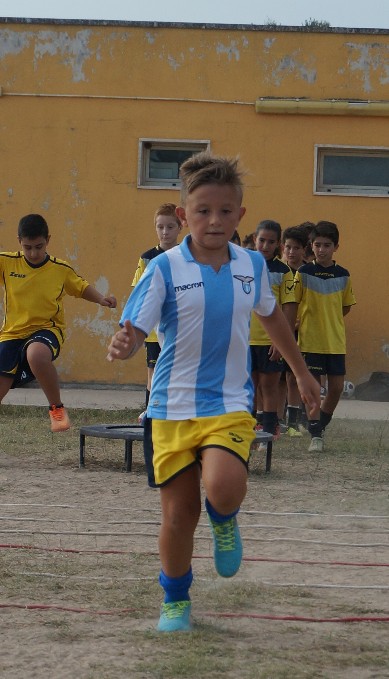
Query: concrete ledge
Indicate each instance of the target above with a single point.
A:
(133, 397)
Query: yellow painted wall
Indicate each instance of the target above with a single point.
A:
(77, 97)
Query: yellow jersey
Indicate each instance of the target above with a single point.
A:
(33, 295)
(322, 292)
(282, 284)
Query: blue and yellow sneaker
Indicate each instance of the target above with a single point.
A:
(175, 617)
(228, 548)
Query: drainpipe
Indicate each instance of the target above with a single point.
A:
(322, 107)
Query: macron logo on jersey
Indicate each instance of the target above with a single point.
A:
(246, 283)
(188, 286)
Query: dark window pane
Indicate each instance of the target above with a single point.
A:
(166, 163)
(353, 170)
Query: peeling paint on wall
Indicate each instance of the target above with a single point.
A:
(291, 64)
(368, 58)
(14, 43)
(231, 50)
(173, 63)
(97, 325)
(150, 38)
(102, 285)
(73, 51)
(268, 43)
(72, 256)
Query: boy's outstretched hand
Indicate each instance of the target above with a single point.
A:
(109, 301)
(123, 343)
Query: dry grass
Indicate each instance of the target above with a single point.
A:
(50, 504)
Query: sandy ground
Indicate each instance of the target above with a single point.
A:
(79, 547)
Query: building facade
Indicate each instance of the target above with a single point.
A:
(96, 116)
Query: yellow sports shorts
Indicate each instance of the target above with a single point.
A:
(177, 444)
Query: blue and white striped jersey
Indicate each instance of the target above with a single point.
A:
(203, 321)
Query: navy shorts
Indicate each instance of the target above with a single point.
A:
(152, 352)
(260, 361)
(13, 358)
(325, 364)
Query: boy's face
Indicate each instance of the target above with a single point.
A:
(167, 231)
(294, 253)
(212, 212)
(323, 249)
(34, 249)
(267, 242)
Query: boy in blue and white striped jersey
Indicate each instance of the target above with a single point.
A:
(200, 295)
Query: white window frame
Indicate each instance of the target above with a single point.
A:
(319, 188)
(146, 144)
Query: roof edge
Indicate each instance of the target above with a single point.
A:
(267, 28)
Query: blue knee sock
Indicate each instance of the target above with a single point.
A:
(218, 518)
(176, 589)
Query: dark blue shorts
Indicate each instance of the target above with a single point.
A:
(260, 361)
(13, 358)
(325, 364)
(152, 352)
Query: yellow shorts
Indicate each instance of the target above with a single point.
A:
(177, 444)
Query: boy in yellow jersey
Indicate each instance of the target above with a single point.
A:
(33, 329)
(266, 362)
(168, 227)
(294, 241)
(324, 292)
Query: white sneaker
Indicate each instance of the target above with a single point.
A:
(316, 445)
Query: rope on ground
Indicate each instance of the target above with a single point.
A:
(209, 614)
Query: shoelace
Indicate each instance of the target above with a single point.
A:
(57, 413)
(175, 609)
(224, 535)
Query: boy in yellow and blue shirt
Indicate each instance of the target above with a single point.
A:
(324, 292)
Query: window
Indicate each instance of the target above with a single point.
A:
(160, 161)
(352, 170)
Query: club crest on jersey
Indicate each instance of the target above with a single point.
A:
(246, 282)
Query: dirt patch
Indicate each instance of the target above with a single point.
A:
(79, 594)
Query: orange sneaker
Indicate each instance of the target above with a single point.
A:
(59, 418)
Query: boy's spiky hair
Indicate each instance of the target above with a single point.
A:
(205, 168)
(168, 210)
